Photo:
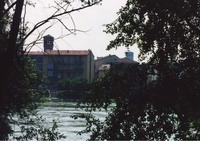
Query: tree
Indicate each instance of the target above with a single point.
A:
(167, 31)
(19, 80)
(73, 89)
(167, 34)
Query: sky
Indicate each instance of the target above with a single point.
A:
(90, 20)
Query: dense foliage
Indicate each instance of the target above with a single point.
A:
(73, 89)
(20, 83)
(167, 34)
(164, 30)
(143, 110)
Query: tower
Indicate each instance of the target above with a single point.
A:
(129, 55)
(48, 42)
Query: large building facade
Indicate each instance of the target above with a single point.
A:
(57, 65)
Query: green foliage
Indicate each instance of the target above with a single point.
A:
(19, 92)
(144, 111)
(164, 30)
(167, 34)
(93, 125)
(120, 83)
(34, 128)
(20, 83)
(73, 89)
(89, 2)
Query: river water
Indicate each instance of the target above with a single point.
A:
(67, 126)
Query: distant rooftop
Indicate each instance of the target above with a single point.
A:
(60, 52)
(120, 60)
(127, 60)
(48, 35)
(100, 58)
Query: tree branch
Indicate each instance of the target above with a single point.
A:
(197, 30)
(8, 9)
(55, 16)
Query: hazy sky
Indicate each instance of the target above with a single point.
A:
(91, 20)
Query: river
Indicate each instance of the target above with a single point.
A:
(62, 113)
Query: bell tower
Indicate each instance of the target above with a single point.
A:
(48, 42)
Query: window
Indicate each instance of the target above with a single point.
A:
(50, 65)
(50, 73)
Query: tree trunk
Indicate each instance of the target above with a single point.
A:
(12, 48)
(2, 4)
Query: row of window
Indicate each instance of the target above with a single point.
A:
(65, 67)
(57, 75)
(66, 59)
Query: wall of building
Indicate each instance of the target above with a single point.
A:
(105, 60)
(58, 67)
(90, 66)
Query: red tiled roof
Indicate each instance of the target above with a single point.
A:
(60, 52)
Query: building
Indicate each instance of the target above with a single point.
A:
(103, 69)
(129, 55)
(103, 64)
(57, 65)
